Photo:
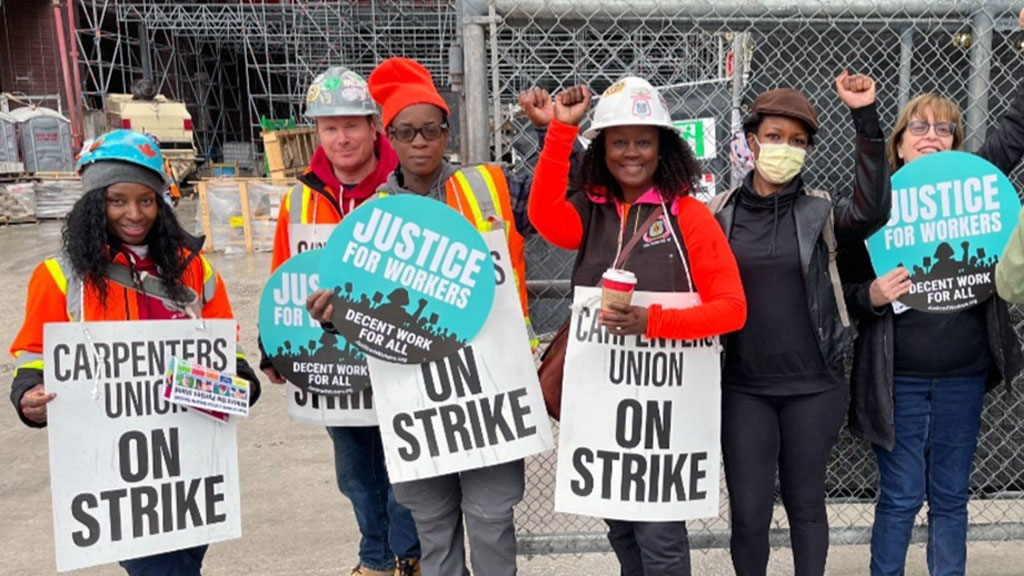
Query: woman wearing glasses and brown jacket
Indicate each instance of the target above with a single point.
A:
(919, 379)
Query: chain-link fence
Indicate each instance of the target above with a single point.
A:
(710, 59)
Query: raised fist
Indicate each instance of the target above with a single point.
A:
(571, 105)
(536, 105)
(856, 90)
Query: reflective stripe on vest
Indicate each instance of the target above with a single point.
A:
(300, 216)
(60, 269)
(485, 208)
(209, 280)
(476, 185)
(27, 360)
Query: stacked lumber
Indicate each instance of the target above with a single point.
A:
(288, 152)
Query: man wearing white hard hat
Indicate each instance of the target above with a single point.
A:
(637, 215)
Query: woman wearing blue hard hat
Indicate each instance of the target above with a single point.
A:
(119, 223)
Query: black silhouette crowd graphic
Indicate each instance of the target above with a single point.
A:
(396, 309)
(944, 265)
(327, 350)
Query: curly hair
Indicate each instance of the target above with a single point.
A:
(89, 245)
(676, 176)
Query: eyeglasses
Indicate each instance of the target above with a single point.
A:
(408, 133)
(920, 128)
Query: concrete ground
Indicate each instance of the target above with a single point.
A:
(294, 520)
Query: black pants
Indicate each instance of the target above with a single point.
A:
(797, 434)
(650, 548)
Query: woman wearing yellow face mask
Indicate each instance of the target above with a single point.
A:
(784, 393)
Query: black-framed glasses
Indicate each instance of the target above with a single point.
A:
(408, 133)
(942, 129)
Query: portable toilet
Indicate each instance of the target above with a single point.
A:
(45, 138)
(9, 157)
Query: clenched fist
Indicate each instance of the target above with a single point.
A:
(571, 105)
(855, 90)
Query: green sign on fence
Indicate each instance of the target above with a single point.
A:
(700, 135)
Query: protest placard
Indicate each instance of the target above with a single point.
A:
(952, 215)
(309, 357)
(639, 430)
(480, 406)
(132, 474)
(307, 407)
(412, 279)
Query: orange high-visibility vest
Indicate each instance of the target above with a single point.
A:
(480, 193)
(56, 294)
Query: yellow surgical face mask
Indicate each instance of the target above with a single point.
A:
(779, 163)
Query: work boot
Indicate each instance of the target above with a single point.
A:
(361, 570)
(408, 567)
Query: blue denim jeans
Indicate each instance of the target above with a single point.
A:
(937, 423)
(184, 562)
(387, 528)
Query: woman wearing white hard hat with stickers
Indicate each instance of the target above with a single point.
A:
(636, 214)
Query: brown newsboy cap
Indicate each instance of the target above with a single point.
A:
(787, 102)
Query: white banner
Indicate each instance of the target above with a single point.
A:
(306, 407)
(132, 474)
(639, 434)
(479, 407)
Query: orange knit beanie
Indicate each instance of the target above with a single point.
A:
(398, 83)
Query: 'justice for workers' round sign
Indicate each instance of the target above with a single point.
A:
(413, 280)
(298, 347)
(952, 215)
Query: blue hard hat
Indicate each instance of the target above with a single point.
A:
(123, 146)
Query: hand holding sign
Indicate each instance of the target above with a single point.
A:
(33, 403)
(855, 90)
(319, 305)
(273, 375)
(890, 287)
(623, 320)
(412, 279)
(299, 348)
(571, 105)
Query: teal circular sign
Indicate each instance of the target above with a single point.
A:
(413, 280)
(296, 344)
(952, 215)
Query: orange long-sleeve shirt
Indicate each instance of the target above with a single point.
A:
(712, 264)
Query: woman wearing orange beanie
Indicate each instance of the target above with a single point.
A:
(415, 119)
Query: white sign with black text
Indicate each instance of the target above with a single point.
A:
(478, 407)
(639, 433)
(132, 474)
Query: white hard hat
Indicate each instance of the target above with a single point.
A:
(631, 101)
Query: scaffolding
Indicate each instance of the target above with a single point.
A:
(235, 63)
